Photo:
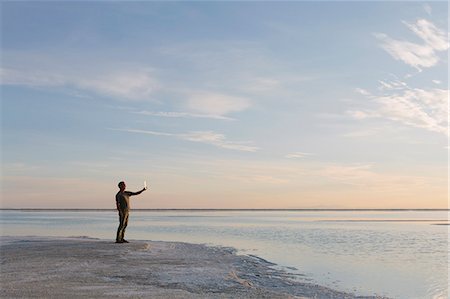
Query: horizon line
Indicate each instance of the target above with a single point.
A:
(227, 209)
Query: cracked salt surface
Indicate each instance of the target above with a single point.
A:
(40, 267)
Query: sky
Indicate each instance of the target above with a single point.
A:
(257, 105)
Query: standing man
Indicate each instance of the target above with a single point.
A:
(123, 206)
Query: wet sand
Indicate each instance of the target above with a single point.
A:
(40, 267)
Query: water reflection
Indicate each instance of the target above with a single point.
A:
(383, 254)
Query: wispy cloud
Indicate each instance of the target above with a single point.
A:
(216, 103)
(417, 107)
(361, 133)
(362, 91)
(30, 78)
(427, 8)
(424, 108)
(279, 86)
(391, 85)
(298, 155)
(260, 84)
(434, 37)
(410, 53)
(359, 114)
(172, 114)
(207, 137)
(126, 85)
(421, 108)
(414, 54)
(135, 85)
(218, 140)
(146, 132)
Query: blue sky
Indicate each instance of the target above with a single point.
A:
(225, 104)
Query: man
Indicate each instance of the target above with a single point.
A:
(123, 206)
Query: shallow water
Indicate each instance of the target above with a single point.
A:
(400, 254)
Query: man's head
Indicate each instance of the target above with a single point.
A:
(122, 186)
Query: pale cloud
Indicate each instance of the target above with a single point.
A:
(30, 78)
(261, 85)
(410, 53)
(218, 140)
(297, 155)
(396, 101)
(391, 85)
(361, 133)
(427, 8)
(421, 108)
(360, 114)
(434, 37)
(216, 103)
(413, 54)
(135, 85)
(122, 85)
(417, 107)
(172, 114)
(146, 132)
(207, 137)
(362, 91)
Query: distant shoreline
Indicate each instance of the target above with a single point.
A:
(223, 210)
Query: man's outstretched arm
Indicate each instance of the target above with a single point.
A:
(136, 193)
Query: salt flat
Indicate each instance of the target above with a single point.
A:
(41, 267)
